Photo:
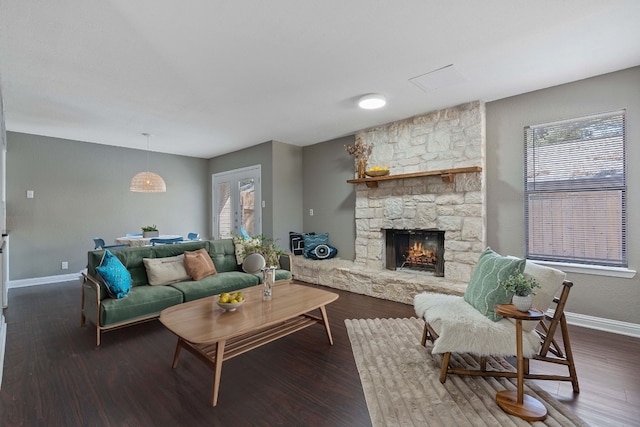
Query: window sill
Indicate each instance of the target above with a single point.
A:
(597, 270)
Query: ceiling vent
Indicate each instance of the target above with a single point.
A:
(443, 77)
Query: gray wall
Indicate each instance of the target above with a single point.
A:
(599, 296)
(287, 192)
(82, 190)
(326, 168)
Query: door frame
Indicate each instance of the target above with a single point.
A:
(234, 176)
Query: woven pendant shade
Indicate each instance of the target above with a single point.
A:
(147, 182)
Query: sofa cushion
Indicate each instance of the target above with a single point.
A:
(162, 251)
(280, 275)
(212, 285)
(141, 302)
(116, 277)
(222, 252)
(199, 264)
(162, 271)
(483, 291)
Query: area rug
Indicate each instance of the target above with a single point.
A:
(401, 383)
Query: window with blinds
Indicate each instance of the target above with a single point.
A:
(575, 191)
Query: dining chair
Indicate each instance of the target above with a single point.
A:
(133, 235)
(159, 241)
(193, 236)
(99, 244)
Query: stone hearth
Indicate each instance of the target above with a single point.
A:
(445, 139)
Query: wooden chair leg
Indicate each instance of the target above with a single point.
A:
(423, 341)
(445, 367)
(569, 354)
(483, 363)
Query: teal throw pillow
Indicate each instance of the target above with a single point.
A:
(483, 291)
(115, 275)
(313, 240)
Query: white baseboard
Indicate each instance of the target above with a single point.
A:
(602, 324)
(3, 342)
(43, 280)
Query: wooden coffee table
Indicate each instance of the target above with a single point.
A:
(214, 335)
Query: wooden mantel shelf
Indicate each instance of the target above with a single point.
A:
(447, 175)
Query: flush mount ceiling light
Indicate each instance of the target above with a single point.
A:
(147, 182)
(372, 101)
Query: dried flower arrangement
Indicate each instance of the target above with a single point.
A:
(359, 150)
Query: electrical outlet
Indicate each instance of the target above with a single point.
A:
(29, 194)
(65, 265)
(310, 212)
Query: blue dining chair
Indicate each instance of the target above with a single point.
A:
(193, 236)
(133, 235)
(100, 244)
(160, 241)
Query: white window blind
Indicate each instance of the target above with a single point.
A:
(575, 190)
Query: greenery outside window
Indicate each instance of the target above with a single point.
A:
(575, 191)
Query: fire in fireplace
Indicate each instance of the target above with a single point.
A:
(417, 250)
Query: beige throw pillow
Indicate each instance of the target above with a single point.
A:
(199, 264)
(163, 271)
(550, 280)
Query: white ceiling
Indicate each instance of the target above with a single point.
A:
(207, 77)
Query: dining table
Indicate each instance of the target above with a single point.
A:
(135, 241)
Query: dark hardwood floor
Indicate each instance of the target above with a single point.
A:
(55, 376)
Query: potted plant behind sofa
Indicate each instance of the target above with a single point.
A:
(150, 231)
(522, 288)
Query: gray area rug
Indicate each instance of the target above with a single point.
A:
(401, 385)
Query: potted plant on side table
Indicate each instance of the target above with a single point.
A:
(522, 288)
(150, 231)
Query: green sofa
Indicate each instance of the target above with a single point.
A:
(145, 302)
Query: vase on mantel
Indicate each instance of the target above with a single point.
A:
(361, 165)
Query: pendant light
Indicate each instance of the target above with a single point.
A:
(147, 182)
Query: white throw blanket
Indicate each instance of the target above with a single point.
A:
(463, 329)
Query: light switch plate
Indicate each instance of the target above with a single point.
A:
(29, 194)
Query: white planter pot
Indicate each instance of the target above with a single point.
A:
(522, 303)
(150, 233)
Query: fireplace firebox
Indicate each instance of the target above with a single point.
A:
(415, 250)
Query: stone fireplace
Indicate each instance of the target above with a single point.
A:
(453, 138)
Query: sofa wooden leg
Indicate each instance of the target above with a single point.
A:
(97, 336)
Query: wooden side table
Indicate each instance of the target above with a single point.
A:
(516, 402)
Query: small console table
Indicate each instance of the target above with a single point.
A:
(516, 402)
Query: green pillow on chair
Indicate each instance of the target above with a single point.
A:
(483, 291)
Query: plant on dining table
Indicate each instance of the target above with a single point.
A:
(150, 228)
